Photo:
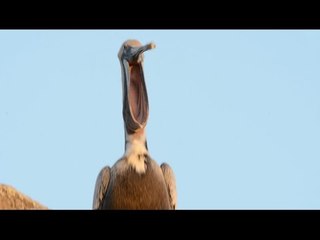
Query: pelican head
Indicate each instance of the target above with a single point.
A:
(135, 97)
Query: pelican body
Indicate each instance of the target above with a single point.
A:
(135, 181)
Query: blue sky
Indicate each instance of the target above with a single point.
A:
(236, 114)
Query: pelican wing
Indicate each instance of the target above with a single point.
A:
(171, 184)
(101, 186)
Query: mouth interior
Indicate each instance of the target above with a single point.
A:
(137, 94)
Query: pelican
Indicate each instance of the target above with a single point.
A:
(135, 181)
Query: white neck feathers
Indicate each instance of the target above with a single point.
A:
(136, 151)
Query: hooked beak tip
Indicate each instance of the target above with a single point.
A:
(152, 45)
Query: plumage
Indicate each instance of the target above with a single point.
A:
(129, 190)
(170, 181)
(101, 186)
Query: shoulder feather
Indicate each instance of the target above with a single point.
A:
(170, 180)
(101, 187)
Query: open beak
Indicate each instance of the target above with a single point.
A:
(135, 96)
